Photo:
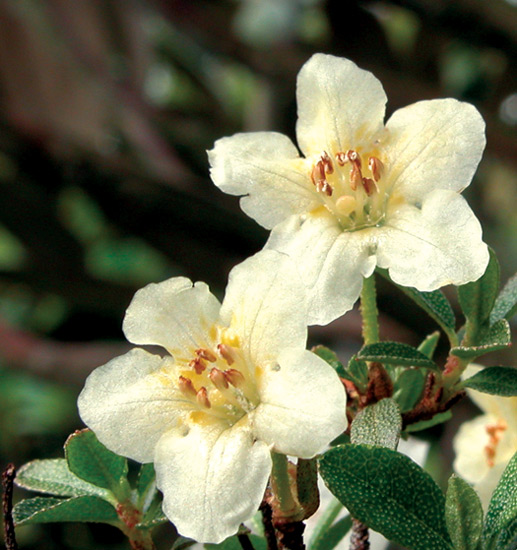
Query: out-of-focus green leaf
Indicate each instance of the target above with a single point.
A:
(495, 381)
(232, 543)
(505, 305)
(439, 418)
(333, 536)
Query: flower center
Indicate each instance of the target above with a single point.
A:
(495, 432)
(351, 187)
(217, 381)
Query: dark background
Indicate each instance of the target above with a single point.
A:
(107, 108)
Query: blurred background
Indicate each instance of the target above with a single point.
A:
(107, 108)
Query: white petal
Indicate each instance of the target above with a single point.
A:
(435, 246)
(173, 314)
(267, 169)
(212, 479)
(303, 405)
(265, 303)
(129, 407)
(332, 263)
(434, 145)
(339, 105)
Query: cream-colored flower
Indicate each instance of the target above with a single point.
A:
(236, 384)
(363, 194)
(485, 445)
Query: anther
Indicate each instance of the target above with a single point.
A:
(197, 364)
(234, 377)
(346, 204)
(218, 379)
(206, 354)
(369, 186)
(494, 433)
(354, 157)
(376, 167)
(341, 158)
(324, 187)
(327, 163)
(356, 177)
(186, 387)
(319, 178)
(226, 353)
(202, 398)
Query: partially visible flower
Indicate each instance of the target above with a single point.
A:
(236, 384)
(485, 445)
(364, 194)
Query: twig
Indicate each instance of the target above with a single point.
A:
(359, 536)
(245, 542)
(267, 521)
(8, 476)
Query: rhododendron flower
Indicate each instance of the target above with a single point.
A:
(236, 384)
(363, 194)
(485, 445)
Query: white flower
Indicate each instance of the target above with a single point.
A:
(363, 194)
(237, 383)
(485, 445)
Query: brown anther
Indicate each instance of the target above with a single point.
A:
(234, 377)
(198, 365)
(218, 379)
(226, 353)
(356, 177)
(341, 158)
(202, 398)
(354, 157)
(206, 354)
(324, 187)
(186, 387)
(494, 432)
(369, 186)
(376, 167)
(327, 163)
(319, 178)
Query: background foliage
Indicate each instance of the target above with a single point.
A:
(106, 110)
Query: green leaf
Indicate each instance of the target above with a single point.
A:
(378, 425)
(388, 492)
(463, 514)
(357, 372)
(88, 459)
(52, 476)
(181, 543)
(154, 515)
(428, 346)
(505, 305)
(232, 543)
(408, 388)
(507, 538)
(495, 338)
(396, 353)
(439, 418)
(434, 303)
(494, 380)
(333, 536)
(500, 522)
(331, 358)
(477, 298)
(49, 509)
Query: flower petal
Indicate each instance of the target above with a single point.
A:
(174, 314)
(212, 479)
(434, 145)
(332, 263)
(265, 303)
(339, 105)
(303, 404)
(128, 406)
(436, 245)
(265, 167)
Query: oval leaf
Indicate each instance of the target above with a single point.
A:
(463, 514)
(495, 338)
(408, 388)
(330, 357)
(388, 492)
(396, 353)
(495, 381)
(506, 303)
(378, 425)
(48, 510)
(333, 536)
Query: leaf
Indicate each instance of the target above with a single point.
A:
(333, 536)
(439, 418)
(357, 372)
(232, 543)
(90, 460)
(463, 514)
(477, 298)
(495, 338)
(501, 516)
(495, 381)
(428, 346)
(330, 357)
(378, 425)
(388, 492)
(49, 509)
(505, 305)
(181, 543)
(52, 476)
(408, 388)
(395, 353)
(434, 303)
(154, 516)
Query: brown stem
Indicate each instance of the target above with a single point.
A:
(290, 535)
(267, 521)
(8, 476)
(245, 542)
(359, 536)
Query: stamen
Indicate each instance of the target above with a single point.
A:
(319, 176)
(234, 377)
(218, 379)
(202, 398)
(197, 364)
(376, 167)
(356, 177)
(369, 186)
(206, 354)
(354, 157)
(227, 353)
(327, 163)
(341, 158)
(186, 387)
(346, 204)
(494, 432)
